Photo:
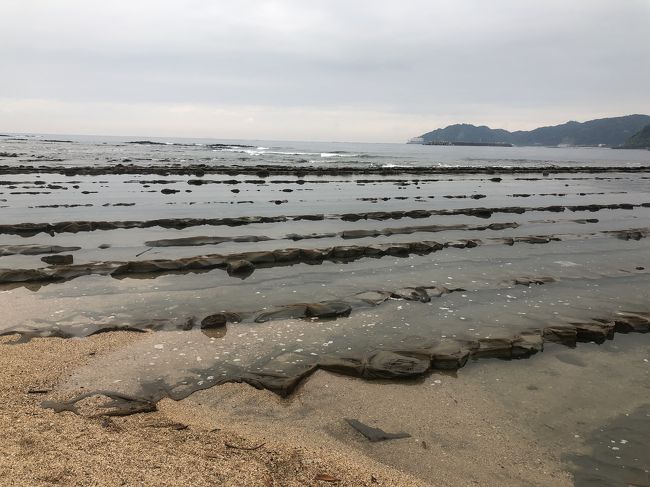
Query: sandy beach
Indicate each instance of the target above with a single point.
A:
(494, 422)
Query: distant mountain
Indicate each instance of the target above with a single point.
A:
(640, 140)
(610, 132)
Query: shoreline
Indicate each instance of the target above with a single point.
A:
(464, 429)
(41, 447)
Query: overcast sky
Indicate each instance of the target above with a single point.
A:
(348, 70)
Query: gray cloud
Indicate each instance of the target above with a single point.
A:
(413, 65)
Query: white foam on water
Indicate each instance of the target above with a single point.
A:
(326, 155)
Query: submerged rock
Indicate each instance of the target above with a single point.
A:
(376, 365)
(328, 309)
(217, 320)
(282, 313)
(240, 268)
(283, 373)
(118, 405)
(375, 434)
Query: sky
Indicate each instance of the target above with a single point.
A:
(344, 70)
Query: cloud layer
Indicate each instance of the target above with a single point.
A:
(362, 70)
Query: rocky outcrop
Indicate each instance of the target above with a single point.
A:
(30, 229)
(264, 171)
(34, 249)
(414, 357)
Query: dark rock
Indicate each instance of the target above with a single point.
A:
(205, 262)
(240, 268)
(259, 257)
(502, 226)
(187, 241)
(34, 249)
(287, 255)
(527, 281)
(347, 252)
(418, 214)
(359, 233)
(351, 217)
(527, 343)
(493, 348)
(328, 309)
(412, 294)
(594, 331)
(480, 212)
(217, 320)
(309, 217)
(449, 356)
(562, 334)
(375, 434)
(629, 323)
(396, 250)
(315, 254)
(58, 259)
(425, 247)
(376, 365)
(73, 227)
(23, 275)
(536, 239)
(147, 266)
(188, 324)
